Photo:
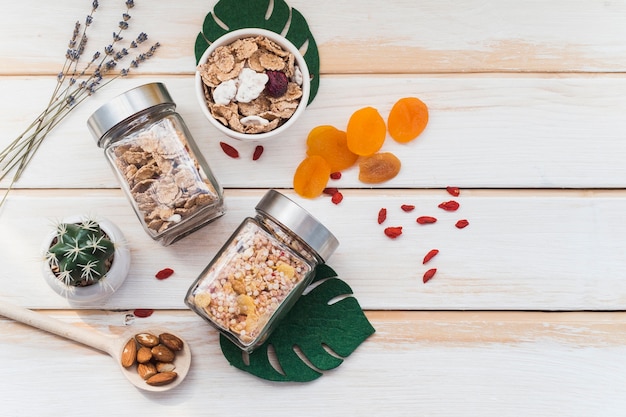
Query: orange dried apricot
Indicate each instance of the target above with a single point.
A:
(407, 119)
(331, 144)
(366, 131)
(378, 168)
(311, 176)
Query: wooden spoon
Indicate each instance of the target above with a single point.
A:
(113, 345)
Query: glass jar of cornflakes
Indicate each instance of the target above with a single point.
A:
(261, 271)
(157, 162)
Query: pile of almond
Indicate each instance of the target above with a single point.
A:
(154, 356)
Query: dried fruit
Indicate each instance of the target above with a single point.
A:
(430, 255)
(462, 224)
(407, 119)
(330, 190)
(337, 198)
(258, 151)
(407, 207)
(311, 176)
(449, 205)
(331, 144)
(335, 175)
(172, 342)
(162, 378)
(366, 131)
(229, 150)
(143, 312)
(426, 219)
(129, 353)
(393, 232)
(453, 191)
(164, 273)
(277, 83)
(428, 275)
(378, 168)
(382, 215)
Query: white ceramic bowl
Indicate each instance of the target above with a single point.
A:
(278, 39)
(96, 293)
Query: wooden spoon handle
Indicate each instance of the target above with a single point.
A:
(68, 331)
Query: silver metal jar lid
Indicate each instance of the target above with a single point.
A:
(284, 211)
(126, 105)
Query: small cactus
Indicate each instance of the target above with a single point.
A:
(80, 254)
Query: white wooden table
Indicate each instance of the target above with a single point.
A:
(526, 313)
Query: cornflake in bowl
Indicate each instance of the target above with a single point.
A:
(252, 84)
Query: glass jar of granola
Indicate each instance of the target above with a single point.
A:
(260, 272)
(157, 162)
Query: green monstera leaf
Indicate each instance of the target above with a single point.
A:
(274, 15)
(311, 325)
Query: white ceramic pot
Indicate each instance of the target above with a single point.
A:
(106, 286)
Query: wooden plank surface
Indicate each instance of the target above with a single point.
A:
(525, 315)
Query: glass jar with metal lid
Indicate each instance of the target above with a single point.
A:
(261, 271)
(157, 162)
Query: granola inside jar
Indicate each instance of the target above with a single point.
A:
(157, 163)
(261, 271)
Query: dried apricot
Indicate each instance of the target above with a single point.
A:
(378, 168)
(331, 144)
(407, 119)
(311, 176)
(366, 131)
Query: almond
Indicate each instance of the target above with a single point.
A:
(172, 342)
(162, 378)
(162, 353)
(147, 339)
(165, 366)
(129, 354)
(144, 354)
(146, 370)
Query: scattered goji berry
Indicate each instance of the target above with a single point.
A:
(429, 274)
(337, 197)
(407, 207)
(330, 191)
(462, 223)
(382, 215)
(430, 255)
(426, 219)
(258, 151)
(143, 312)
(164, 273)
(449, 205)
(335, 175)
(229, 150)
(393, 232)
(453, 191)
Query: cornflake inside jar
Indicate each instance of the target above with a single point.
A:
(252, 85)
(163, 175)
(250, 279)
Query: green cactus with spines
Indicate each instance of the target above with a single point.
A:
(79, 255)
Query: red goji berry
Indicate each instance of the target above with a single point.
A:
(453, 191)
(429, 274)
(335, 175)
(382, 215)
(462, 223)
(393, 232)
(430, 255)
(407, 207)
(164, 273)
(143, 312)
(337, 197)
(229, 150)
(449, 205)
(258, 151)
(426, 219)
(330, 191)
